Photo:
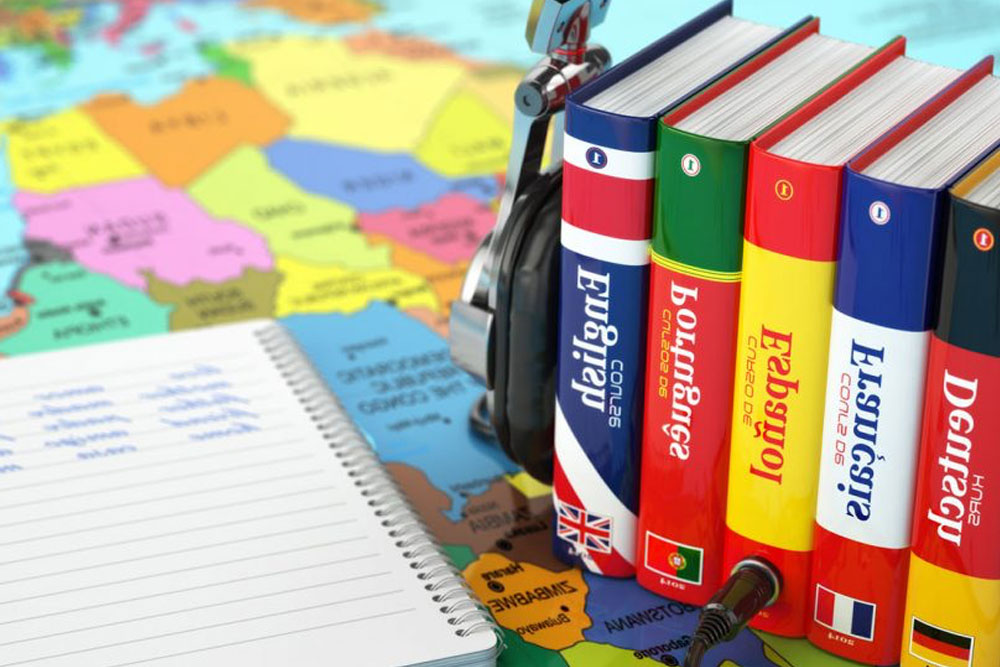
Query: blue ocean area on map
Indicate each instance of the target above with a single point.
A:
(98, 66)
(370, 182)
(394, 376)
(13, 254)
(956, 36)
(631, 617)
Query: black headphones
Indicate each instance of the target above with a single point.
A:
(504, 327)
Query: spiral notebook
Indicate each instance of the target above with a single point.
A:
(202, 499)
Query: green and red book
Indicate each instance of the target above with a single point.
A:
(701, 175)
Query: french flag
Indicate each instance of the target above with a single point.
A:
(843, 614)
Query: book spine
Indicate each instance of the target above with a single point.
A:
(793, 212)
(884, 307)
(607, 199)
(953, 591)
(693, 308)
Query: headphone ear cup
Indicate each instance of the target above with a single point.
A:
(526, 333)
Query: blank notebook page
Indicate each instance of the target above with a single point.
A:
(170, 501)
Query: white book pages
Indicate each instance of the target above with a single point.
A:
(865, 113)
(941, 148)
(193, 500)
(751, 105)
(987, 193)
(682, 70)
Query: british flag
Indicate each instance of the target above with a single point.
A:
(591, 532)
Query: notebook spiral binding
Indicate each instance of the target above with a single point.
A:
(432, 565)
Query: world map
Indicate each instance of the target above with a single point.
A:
(332, 163)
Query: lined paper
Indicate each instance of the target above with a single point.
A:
(168, 501)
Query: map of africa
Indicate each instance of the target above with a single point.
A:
(331, 163)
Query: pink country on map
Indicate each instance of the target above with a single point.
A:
(448, 229)
(131, 228)
(132, 12)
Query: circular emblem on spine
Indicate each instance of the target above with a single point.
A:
(783, 188)
(983, 238)
(677, 561)
(879, 212)
(691, 165)
(597, 158)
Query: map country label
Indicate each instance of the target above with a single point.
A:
(128, 228)
(318, 288)
(74, 306)
(408, 47)
(337, 95)
(368, 181)
(322, 11)
(244, 187)
(467, 137)
(500, 519)
(545, 608)
(444, 279)
(449, 229)
(183, 135)
(655, 628)
(395, 378)
(65, 150)
(200, 304)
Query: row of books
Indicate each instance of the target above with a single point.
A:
(761, 230)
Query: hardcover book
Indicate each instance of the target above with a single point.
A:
(793, 213)
(885, 304)
(607, 199)
(694, 297)
(956, 522)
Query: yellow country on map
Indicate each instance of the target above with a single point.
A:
(545, 608)
(296, 224)
(65, 150)
(467, 137)
(335, 94)
(317, 288)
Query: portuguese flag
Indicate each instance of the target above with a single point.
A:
(673, 559)
(940, 647)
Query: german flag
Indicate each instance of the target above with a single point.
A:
(940, 647)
